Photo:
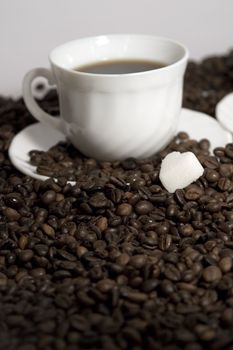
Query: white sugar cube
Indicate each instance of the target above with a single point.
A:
(179, 170)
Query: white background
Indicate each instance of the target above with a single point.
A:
(29, 29)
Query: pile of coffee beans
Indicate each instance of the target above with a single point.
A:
(116, 262)
(207, 82)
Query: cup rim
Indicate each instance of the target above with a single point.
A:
(180, 61)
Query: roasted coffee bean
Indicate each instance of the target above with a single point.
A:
(229, 150)
(211, 162)
(212, 274)
(165, 241)
(98, 200)
(123, 259)
(172, 210)
(48, 197)
(172, 273)
(26, 255)
(179, 195)
(183, 135)
(225, 264)
(186, 230)
(204, 144)
(48, 230)
(41, 249)
(23, 242)
(136, 297)
(138, 261)
(11, 214)
(226, 170)
(143, 207)
(105, 285)
(124, 209)
(212, 175)
(219, 152)
(205, 333)
(163, 228)
(14, 200)
(166, 287)
(129, 164)
(38, 272)
(225, 184)
(227, 316)
(102, 223)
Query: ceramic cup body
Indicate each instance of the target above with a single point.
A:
(115, 116)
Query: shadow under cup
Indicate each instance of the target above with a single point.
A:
(116, 116)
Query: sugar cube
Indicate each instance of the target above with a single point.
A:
(179, 170)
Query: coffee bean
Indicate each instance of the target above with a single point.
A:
(136, 297)
(211, 162)
(41, 249)
(204, 144)
(205, 333)
(193, 192)
(14, 200)
(172, 210)
(224, 184)
(123, 259)
(172, 273)
(48, 197)
(179, 195)
(38, 272)
(225, 264)
(102, 223)
(124, 209)
(138, 261)
(26, 255)
(129, 164)
(212, 274)
(79, 323)
(182, 135)
(143, 207)
(229, 150)
(186, 230)
(149, 285)
(81, 251)
(167, 287)
(11, 214)
(227, 316)
(98, 200)
(163, 228)
(105, 285)
(48, 230)
(165, 242)
(212, 175)
(23, 241)
(184, 335)
(219, 152)
(226, 170)
(65, 255)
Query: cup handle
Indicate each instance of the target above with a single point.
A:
(30, 101)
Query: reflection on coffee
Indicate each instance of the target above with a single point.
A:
(119, 66)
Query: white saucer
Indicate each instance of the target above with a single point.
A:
(37, 136)
(224, 112)
(41, 137)
(201, 126)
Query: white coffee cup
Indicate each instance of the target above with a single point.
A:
(114, 116)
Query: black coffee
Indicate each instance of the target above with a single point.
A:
(120, 66)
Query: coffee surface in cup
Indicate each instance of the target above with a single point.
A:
(124, 66)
